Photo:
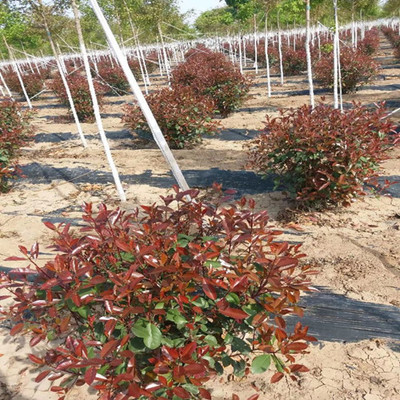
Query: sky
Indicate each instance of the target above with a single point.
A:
(199, 6)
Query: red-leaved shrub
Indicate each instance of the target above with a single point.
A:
(394, 38)
(294, 61)
(370, 44)
(151, 305)
(323, 156)
(182, 115)
(80, 93)
(33, 82)
(356, 69)
(113, 78)
(211, 74)
(15, 132)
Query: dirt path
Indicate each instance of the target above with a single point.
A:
(356, 249)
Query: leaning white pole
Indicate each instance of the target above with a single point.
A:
(155, 129)
(96, 108)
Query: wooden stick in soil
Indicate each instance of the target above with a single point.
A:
(154, 127)
(96, 107)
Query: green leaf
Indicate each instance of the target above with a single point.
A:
(140, 328)
(83, 311)
(176, 316)
(240, 346)
(233, 298)
(153, 337)
(261, 364)
(211, 341)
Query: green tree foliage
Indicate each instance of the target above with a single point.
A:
(289, 12)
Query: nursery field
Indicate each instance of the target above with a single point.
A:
(355, 314)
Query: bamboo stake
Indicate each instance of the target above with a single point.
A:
(155, 129)
(267, 56)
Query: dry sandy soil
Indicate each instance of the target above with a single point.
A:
(355, 249)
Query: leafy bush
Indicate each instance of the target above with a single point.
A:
(356, 68)
(211, 74)
(294, 61)
(322, 156)
(15, 132)
(153, 304)
(273, 54)
(114, 79)
(182, 115)
(33, 82)
(394, 38)
(370, 44)
(80, 93)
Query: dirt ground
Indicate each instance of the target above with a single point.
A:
(356, 249)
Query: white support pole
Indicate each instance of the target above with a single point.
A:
(280, 48)
(5, 85)
(154, 127)
(335, 61)
(96, 107)
(267, 56)
(255, 45)
(308, 52)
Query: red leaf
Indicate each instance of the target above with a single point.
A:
(41, 376)
(17, 328)
(181, 392)
(35, 359)
(90, 374)
(254, 397)
(205, 394)
(235, 397)
(234, 313)
(277, 377)
(15, 259)
(50, 225)
(297, 346)
(194, 369)
(209, 290)
(108, 348)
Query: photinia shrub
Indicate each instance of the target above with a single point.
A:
(80, 93)
(356, 69)
(294, 61)
(211, 74)
(114, 79)
(182, 115)
(15, 132)
(33, 82)
(153, 304)
(370, 44)
(323, 156)
(394, 38)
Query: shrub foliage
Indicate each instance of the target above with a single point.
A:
(15, 132)
(182, 115)
(323, 156)
(211, 74)
(356, 68)
(153, 304)
(80, 93)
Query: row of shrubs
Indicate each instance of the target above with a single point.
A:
(205, 84)
(15, 132)
(394, 38)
